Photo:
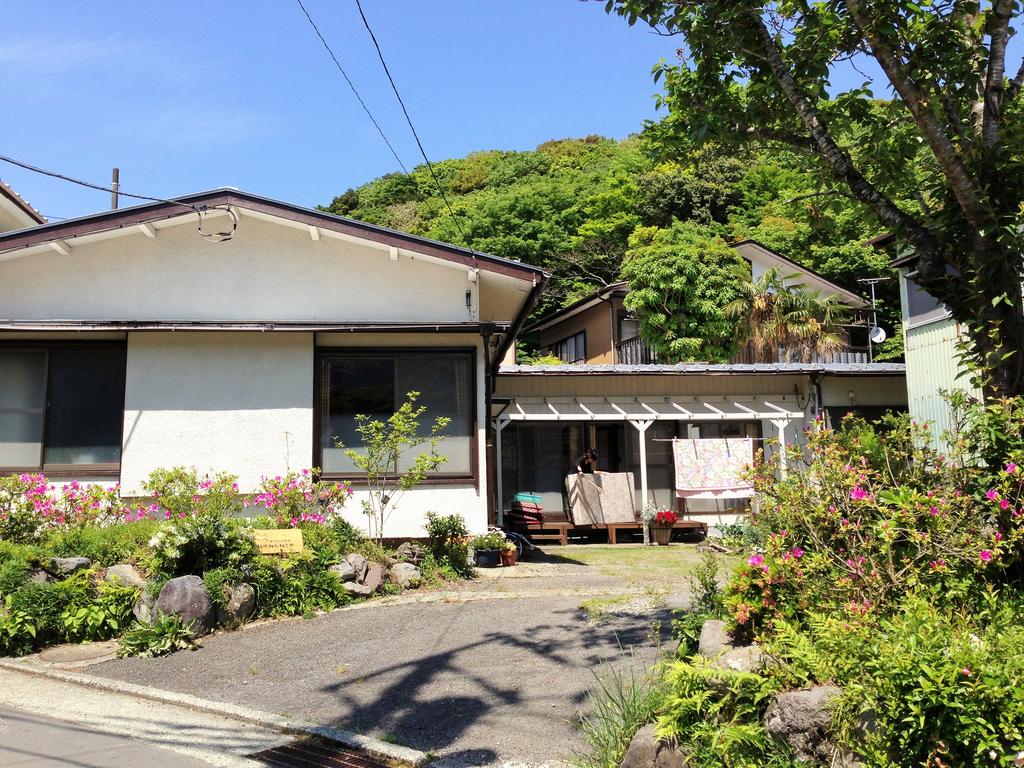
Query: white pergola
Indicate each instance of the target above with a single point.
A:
(641, 412)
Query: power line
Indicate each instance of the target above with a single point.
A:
(218, 236)
(351, 85)
(408, 119)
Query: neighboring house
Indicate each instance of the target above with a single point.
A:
(630, 414)
(599, 330)
(15, 212)
(130, 341)
(930, 337)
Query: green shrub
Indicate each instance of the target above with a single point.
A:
(13, 575)
(119, 543)
(44, 604)
(166, 634)
(17, 633)
(448, 537)
(199, 543)
(622, 703)
(104, 617)
(21, 498)
(217, 580)
(706, 604)
(181, 493)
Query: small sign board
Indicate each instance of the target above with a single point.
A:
(278, 541)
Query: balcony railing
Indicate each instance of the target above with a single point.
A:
(847, 354)
(634, 352)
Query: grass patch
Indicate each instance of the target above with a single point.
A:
(596, 608)
(659, 568)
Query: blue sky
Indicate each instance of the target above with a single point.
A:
(188, 96)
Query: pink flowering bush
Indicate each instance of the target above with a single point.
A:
(30, 506)
(301, 497)
(871, 516)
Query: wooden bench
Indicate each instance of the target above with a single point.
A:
(559, 530)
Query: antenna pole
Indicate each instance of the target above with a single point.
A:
(115, 185)
(872, 281)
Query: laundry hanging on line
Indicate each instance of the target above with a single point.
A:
(712, 468)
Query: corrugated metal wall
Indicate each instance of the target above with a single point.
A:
(931, 367)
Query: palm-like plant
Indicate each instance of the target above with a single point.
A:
(773, 313)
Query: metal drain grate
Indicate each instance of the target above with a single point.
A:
(316, 754)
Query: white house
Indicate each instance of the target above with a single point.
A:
(227, 331)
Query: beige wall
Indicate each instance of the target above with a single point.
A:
(596, 322)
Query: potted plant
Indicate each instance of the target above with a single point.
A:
(662, 526)
(486, 549)
(508, 552)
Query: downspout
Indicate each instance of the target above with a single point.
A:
(486, 331)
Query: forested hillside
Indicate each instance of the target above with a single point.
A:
(594, 210)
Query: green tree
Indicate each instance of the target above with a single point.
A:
(680, 279)
(384, 445)
(757, 71)
(772, 313)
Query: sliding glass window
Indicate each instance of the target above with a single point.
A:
(61, 407)
(376, 385)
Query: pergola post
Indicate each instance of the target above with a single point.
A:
(780, 425)
(641, 429)
(499, 425)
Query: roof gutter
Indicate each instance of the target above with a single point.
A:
(519, 322)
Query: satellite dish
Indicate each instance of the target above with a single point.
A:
(877, 334)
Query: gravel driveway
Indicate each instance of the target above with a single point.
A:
(497, 672)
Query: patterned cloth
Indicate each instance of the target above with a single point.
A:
(712, 468)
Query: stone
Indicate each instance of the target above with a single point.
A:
(126, 575)
(405, 575)
(714, 639)
(374, 578)
(411, 552)
(39, 576)
(801, 719)
(359, 563)
(357, 589)
(745, 658)
(143, 608)
(647, 751)
(239, 603)
(186, 596)
(344, 571)
(69, 565)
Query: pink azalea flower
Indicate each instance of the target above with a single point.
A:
(985, 555)
(934, 511)
(966, 671)
(755, 560)
(797, 552)
(991, 494)
(1004, 504)
(1011, 468)
(858, 494)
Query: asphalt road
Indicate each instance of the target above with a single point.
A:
(33, 741)
(476, 683)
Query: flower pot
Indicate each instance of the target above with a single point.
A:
(508, 558)
(662, 534)
(487, 558)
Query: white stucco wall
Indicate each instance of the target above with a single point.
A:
(243, 403)
(266, 272)
(236, 402)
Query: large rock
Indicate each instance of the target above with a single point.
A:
(374, 578)
(68, 565)
(647, 751)
(239, 603)
(38, 575)
(405, 575)
(356, 589)
(411, 552)
(344, 571)
(359, 563)
(801, 719)
(714, 639)
(143, 608)
(186, 596)
(745, 658)
(126, 575)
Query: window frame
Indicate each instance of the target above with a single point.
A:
(359, 480)
(105, 470)
(552, 348)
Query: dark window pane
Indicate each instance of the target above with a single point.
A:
(21, 407)
(355, 385)
(921, 305)
(84, 406)
(445, 384)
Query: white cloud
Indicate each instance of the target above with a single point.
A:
(47, 56)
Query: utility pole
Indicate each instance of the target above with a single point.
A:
(872, 281)
(115, 185)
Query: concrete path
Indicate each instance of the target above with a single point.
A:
(48, 723)
(492, 673)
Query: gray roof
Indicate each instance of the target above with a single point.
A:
(836, 369)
